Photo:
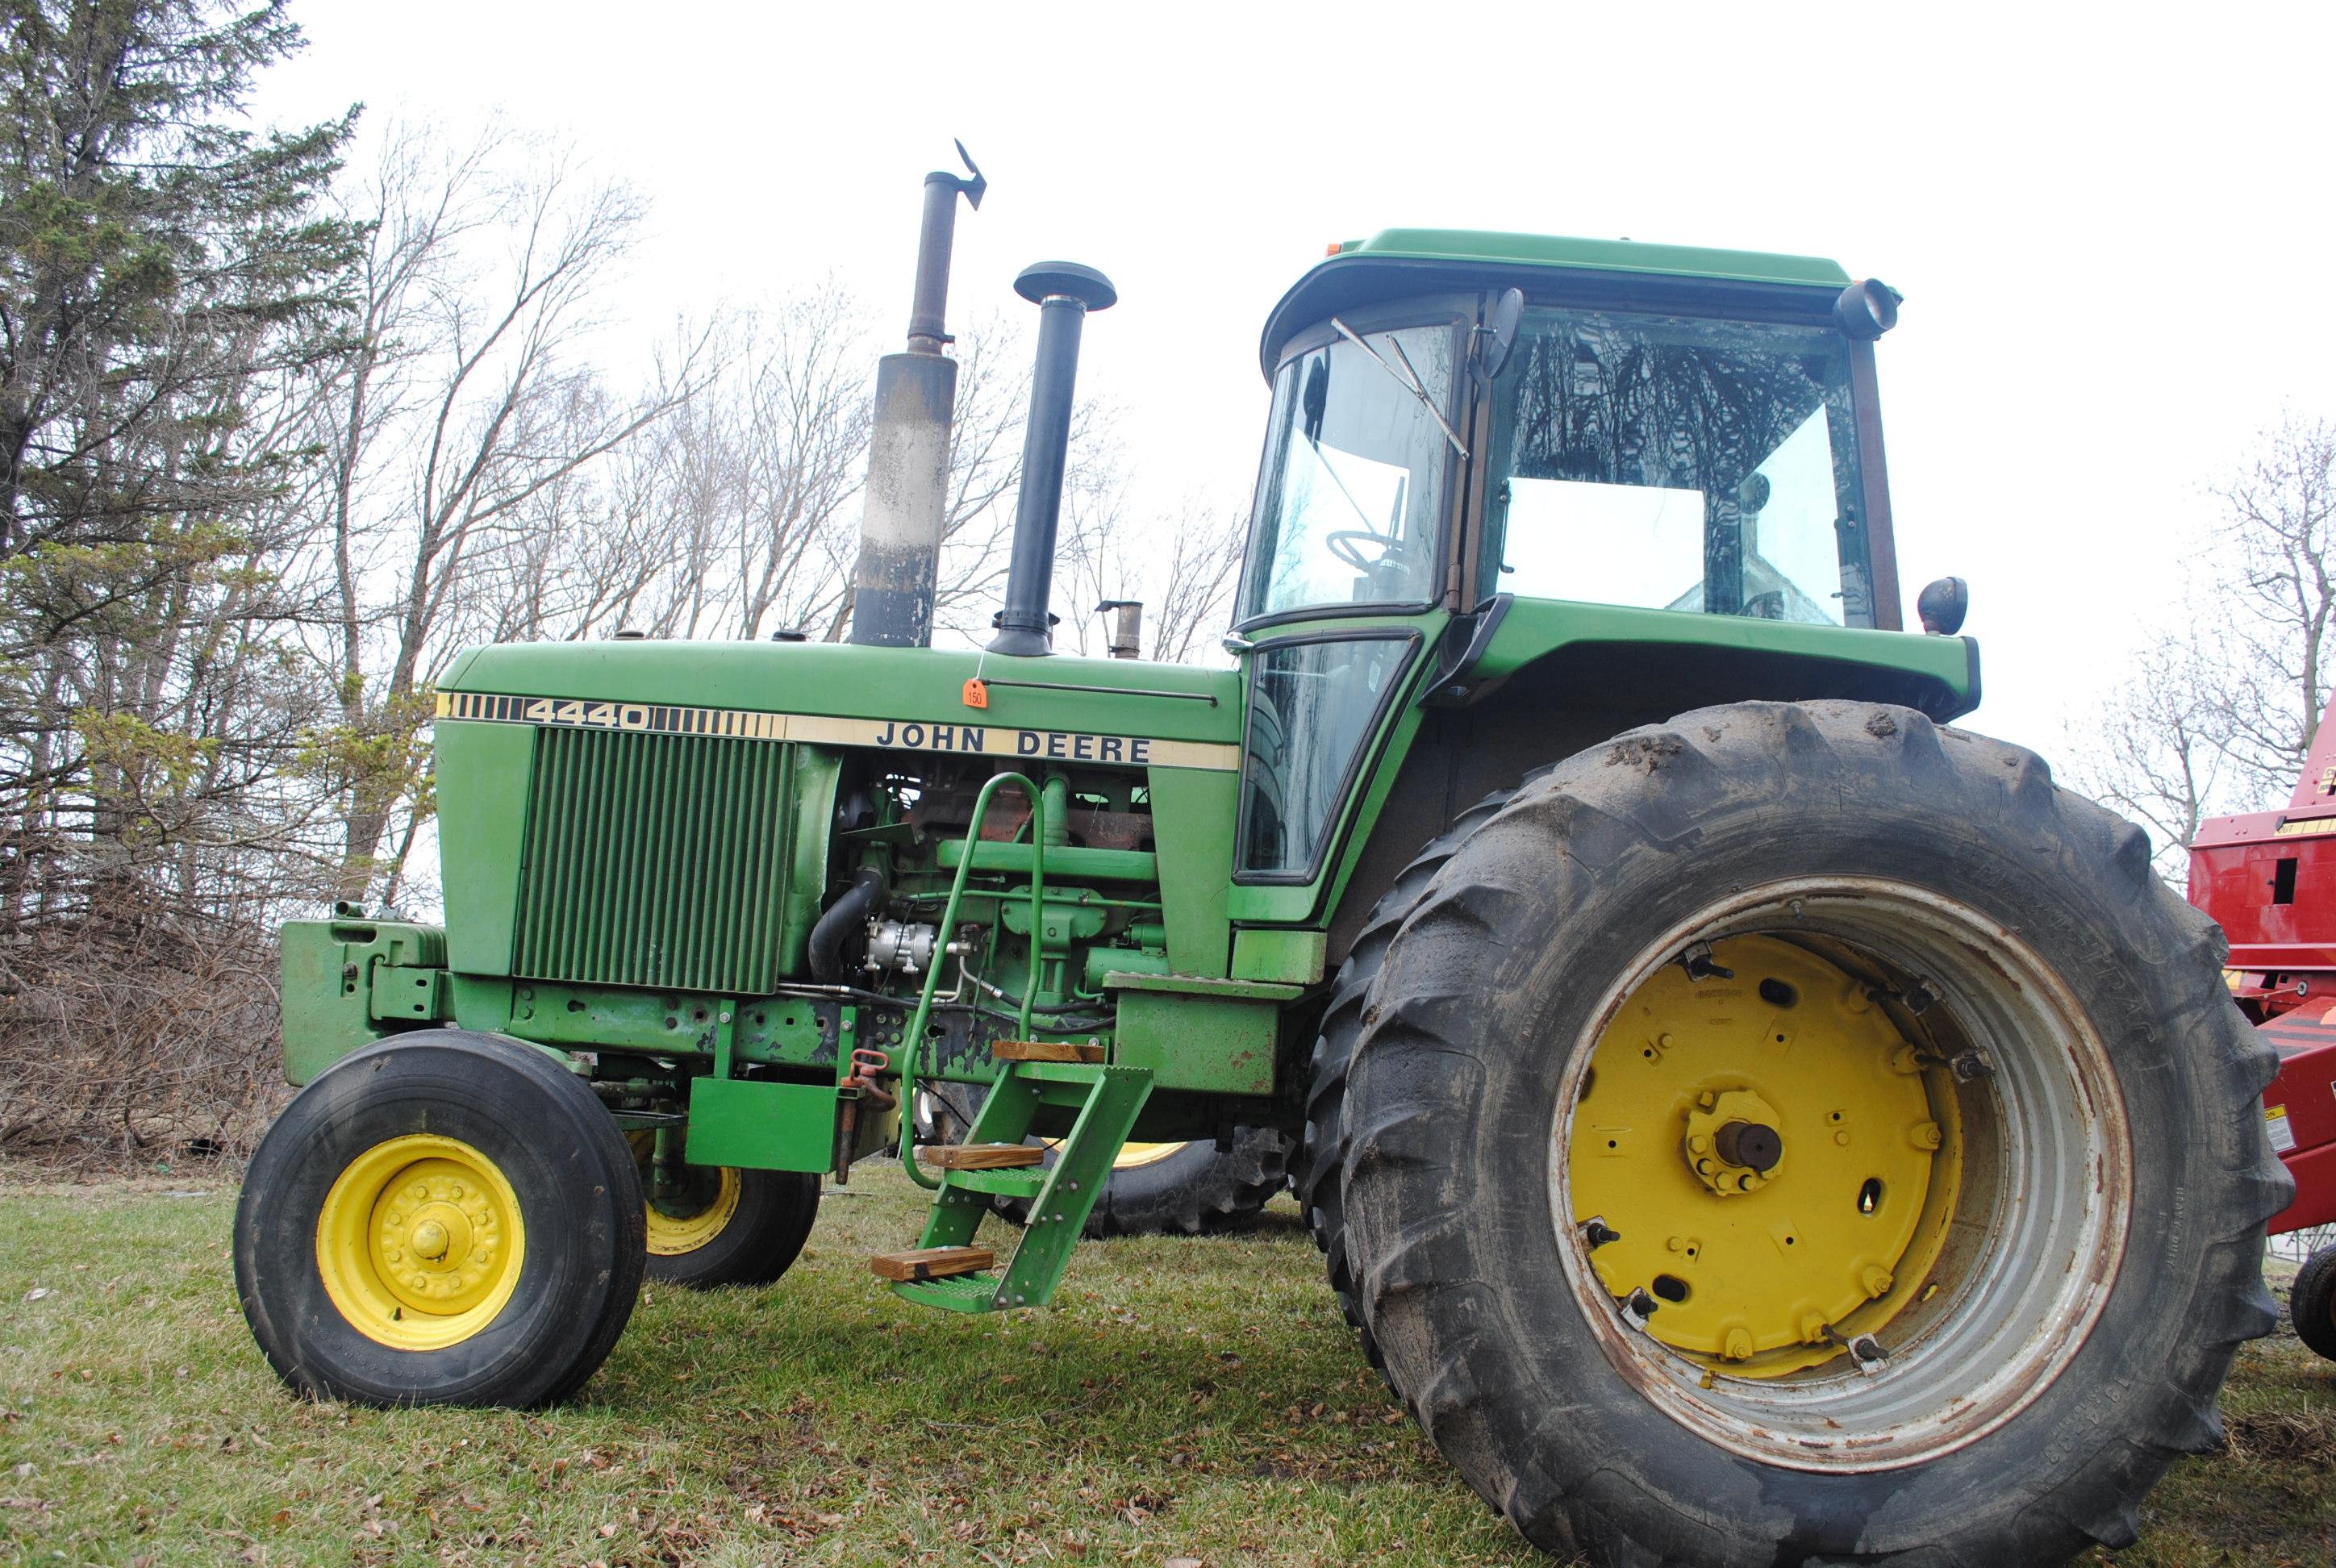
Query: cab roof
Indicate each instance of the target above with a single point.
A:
(1619, 273)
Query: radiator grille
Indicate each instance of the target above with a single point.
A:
(654, 860)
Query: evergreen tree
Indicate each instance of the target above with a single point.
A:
(169, 281)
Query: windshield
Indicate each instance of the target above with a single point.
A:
(1678, 463)
(1348, 505)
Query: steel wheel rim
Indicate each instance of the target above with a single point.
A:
(1810, 1192)
(704, 1213)
(420, 1242)
(1135, 1156)
(2049, 1121)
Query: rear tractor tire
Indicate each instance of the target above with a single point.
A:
(444, 1219)
(1801, 1132)
(1183, 1189)
(723, 1225)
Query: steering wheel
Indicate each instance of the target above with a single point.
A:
(1346, 543)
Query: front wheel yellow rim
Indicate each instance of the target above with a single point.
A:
(693, 1216)
(670, 1235)
(420, 1242)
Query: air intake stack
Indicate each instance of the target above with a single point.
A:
(1064, 292)
(907, 499)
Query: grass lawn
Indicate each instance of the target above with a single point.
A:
(1195, 1399)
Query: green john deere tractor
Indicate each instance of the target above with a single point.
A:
(1747, 1119)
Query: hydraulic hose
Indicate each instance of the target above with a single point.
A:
(850, 910)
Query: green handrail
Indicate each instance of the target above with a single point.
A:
(914, 1041)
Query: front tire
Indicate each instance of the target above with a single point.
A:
(1943, 966)
(723, 1225)
(443, 1218)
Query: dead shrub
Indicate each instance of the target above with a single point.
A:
(127, 1042)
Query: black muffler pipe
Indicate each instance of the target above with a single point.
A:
(1064, 292)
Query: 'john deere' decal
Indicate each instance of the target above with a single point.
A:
(887, 734)
(1069, 745)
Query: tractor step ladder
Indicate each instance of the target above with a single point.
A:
(941, 1272)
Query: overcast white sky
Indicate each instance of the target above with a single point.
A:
(2110, 224)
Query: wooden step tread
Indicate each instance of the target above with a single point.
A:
(980, 1156)
(931, 1262)
(1045, 1051)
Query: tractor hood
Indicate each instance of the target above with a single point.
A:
(840, 693)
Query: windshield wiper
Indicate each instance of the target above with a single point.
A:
(1410, 382)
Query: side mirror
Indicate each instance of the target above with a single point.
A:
(1866, 309)
(1499, 333)
(1941, 605)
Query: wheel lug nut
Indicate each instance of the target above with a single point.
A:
(1738, 1347)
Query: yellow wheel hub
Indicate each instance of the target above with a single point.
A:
(1767, 1157)
(420, 1242)
(687, 1220)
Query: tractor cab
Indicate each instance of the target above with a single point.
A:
(1501, 471)
(1582, 420)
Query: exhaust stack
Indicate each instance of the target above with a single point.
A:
(907, 499)
(1127, 626)
(1064, 293)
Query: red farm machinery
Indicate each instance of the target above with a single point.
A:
(2269, 877)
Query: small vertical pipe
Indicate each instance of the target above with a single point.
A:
(935, 239)
(1127, 632)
